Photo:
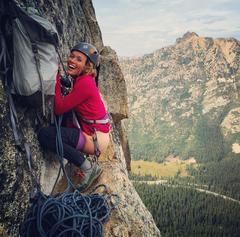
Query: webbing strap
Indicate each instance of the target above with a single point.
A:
(37, 61)
(3, 53)
(14, 119)
(96, 121)
(4, 57)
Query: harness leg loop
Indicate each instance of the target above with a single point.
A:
(97, 151)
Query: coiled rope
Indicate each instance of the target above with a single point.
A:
(68, 214)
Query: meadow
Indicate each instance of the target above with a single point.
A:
(159, 170)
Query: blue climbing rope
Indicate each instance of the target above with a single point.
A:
(60, 155)
(69, 213)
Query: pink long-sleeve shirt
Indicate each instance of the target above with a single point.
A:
(85, 100)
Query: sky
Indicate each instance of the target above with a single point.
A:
(137, 27)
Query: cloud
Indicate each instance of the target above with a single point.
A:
(134, 27)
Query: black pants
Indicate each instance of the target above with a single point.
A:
(70, 136)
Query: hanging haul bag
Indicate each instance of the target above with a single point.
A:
(35, 63)
(35, 58)
(28, 58)
(33, 49)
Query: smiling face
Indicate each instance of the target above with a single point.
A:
(76, 63)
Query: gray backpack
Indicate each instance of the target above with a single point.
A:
(33, 56)
(28, 59)
(27, 77)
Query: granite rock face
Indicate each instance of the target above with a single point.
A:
(75, 21)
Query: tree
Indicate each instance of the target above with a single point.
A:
(208, 141)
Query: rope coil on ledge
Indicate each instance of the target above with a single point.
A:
(69, 214)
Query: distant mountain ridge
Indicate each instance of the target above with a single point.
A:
(184, 100)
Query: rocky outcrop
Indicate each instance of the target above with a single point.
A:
(172, 89)
(75, 21)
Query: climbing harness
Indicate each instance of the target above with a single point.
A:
(97, 151)
(97, 121)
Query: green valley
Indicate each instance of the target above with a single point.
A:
(184, 135)
(202, 202)
(184, 212)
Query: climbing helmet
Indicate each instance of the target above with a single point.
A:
(89, 50)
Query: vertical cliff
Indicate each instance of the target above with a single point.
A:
(75, 21)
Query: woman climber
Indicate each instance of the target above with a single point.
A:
(85, 126)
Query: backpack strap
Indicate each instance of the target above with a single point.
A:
(5, 64)
(14, 120)
(37, 61)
